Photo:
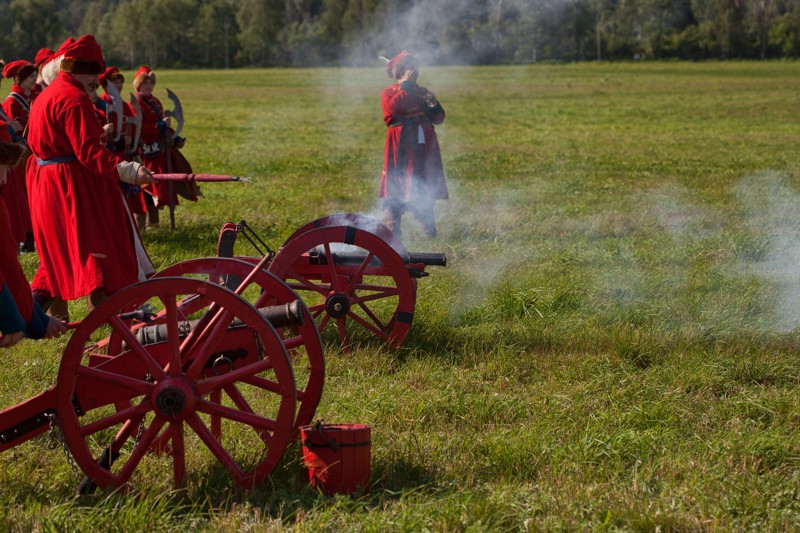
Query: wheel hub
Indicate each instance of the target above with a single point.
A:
(337, 305)
(175, 399)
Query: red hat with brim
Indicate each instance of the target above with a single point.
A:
(63, 48)
(19, 70)
(110, 74)
(400, 59)
(42, 56)
(142, 74)
(84, 56)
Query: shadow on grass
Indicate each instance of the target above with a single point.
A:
(284, 496)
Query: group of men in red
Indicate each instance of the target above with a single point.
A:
(70, 180)
(68, 187)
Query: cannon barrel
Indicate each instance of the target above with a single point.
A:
(317, 257)
(279, 316)
(428, 258)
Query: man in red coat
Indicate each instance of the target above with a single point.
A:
(19, 314)
(133, 193)
(156, 135)
(16, 106)
(413, 176)
(87, 243)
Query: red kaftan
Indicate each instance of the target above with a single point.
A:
(411, 169)
(10, 271)
(15, 191)
(133, 195)
(152, 146)
(86, 239)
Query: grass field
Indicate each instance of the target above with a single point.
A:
(613, 345)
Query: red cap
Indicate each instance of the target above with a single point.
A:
(394, 61)
(63, 48)
(87, 50)
(108, 74)
(42, 56)
(143, 73)
(14, 67)
(143, 70)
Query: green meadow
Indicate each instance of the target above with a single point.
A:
(613, 344)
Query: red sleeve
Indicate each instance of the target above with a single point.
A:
(5, 135)
(11, 273)
(85, 135)
(397, 103)
(15, 111)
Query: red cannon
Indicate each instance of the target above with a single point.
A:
(352, 272)
(208, 378)
(228, 364)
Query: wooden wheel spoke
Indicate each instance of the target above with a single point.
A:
(140, 449)
(243, 405)
(235, 394)
(388, 289)
(364, 265)
(173, 338)
(262, 383)
(139, 386)
(367, 325)
(218, 382)
(207, 342)
(215, 447)
(135, 412)
(291, 343)
(332, 268)
(178, 453)
(136, 347)
(305, 284)
(342, 327)
(324, 321)
(375, 319)
(372, 297)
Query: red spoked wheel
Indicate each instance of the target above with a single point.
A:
(302, 342)
(353, 282)
(113, 406)
(354, 220)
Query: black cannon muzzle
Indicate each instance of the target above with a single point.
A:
(279, 316)
(318, 257)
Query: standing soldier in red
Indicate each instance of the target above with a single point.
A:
(19, 314)
(155, 133)
(120, 140)
(413, 176)
(17, 107)
(87, 243)
(113, 76)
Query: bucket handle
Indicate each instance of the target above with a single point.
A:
(330, 443)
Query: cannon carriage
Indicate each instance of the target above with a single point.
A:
(219, 360)
(356, 277)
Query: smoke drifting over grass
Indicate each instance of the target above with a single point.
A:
(773, 251)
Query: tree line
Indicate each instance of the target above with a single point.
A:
(235, 33)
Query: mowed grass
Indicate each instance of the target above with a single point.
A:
(613, 344)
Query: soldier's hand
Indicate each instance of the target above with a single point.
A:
(134, 173)
(143, 175)
(55, 328)
(10, 339)
(16, 126)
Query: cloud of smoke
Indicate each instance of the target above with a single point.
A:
(773, 210)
